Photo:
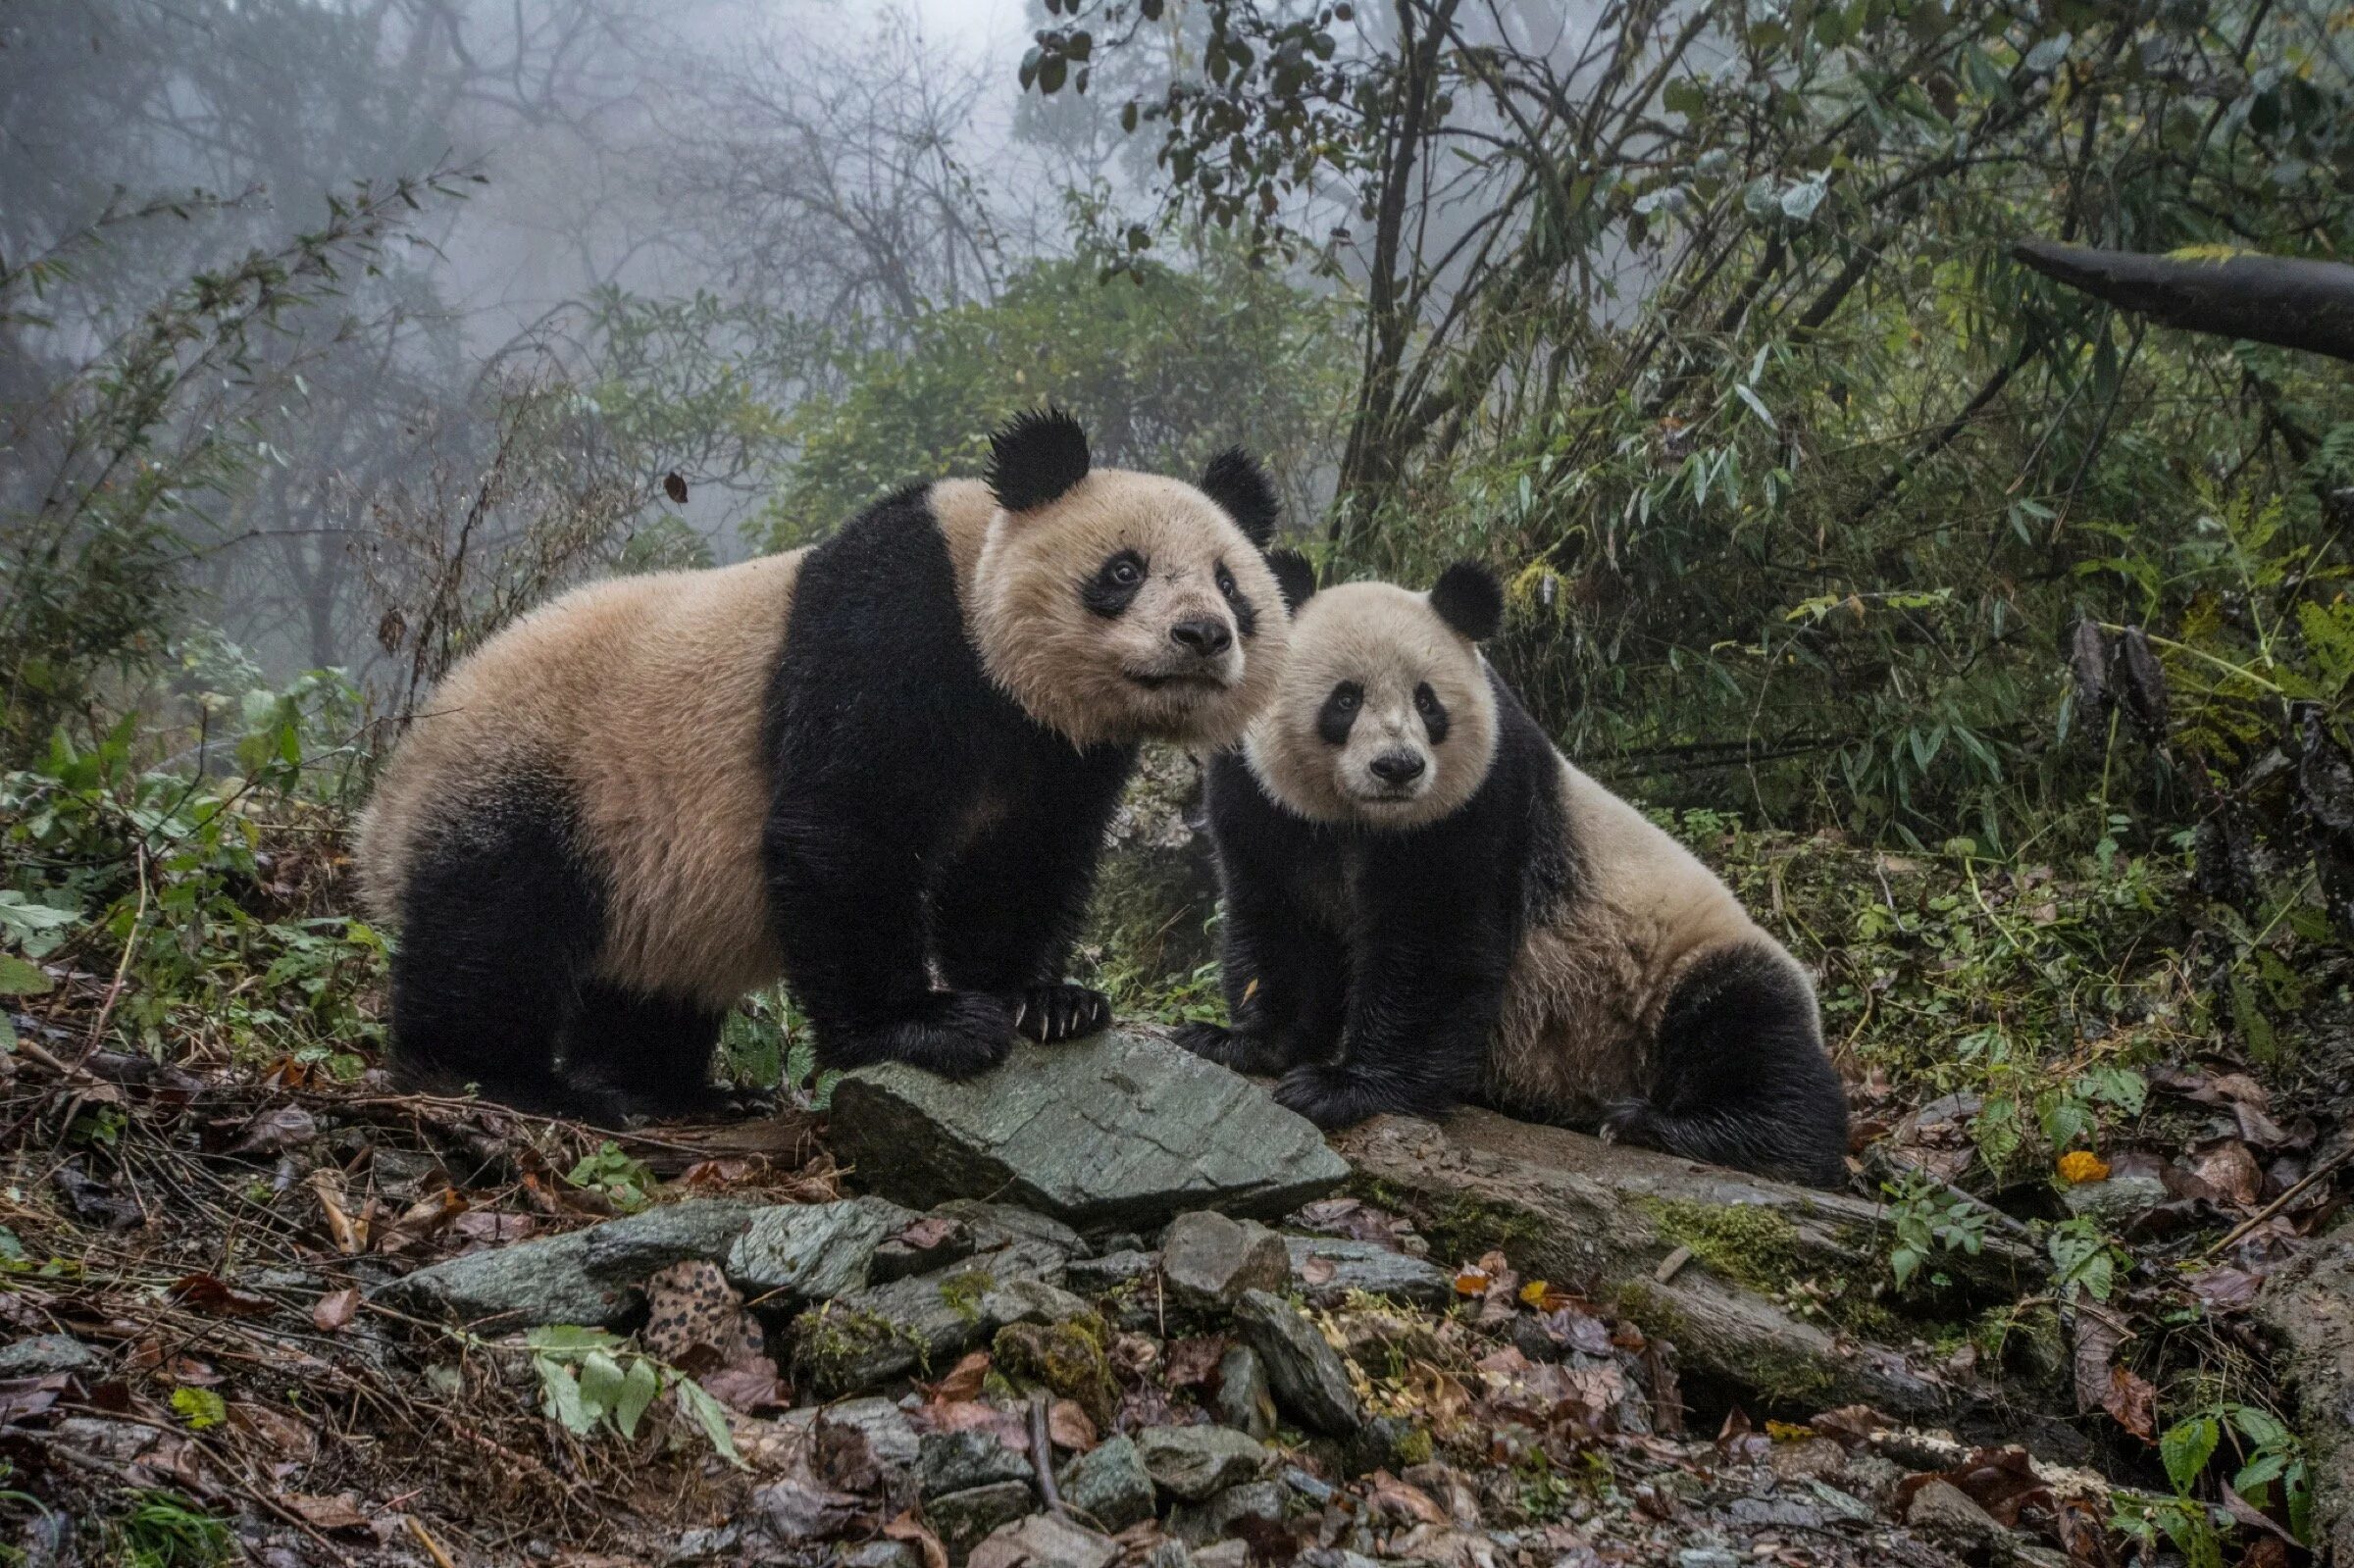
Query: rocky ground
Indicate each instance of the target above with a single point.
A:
(1112, 1307)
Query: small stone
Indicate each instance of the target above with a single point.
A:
(1707, 1557)
(864, 1444)
(1308, 1376)
(2115, 1202)
(45, 1353)
(1108, 1273)
(882, 1554)
(1330, 1267)
(1195, 1462)
(1002, 1225)
(870, 1337)
(933, 1243)
(1198, 1523)
(589, 1277)
(1244, 1401)
(1165, 1553)
(1208, 1260)
(1109, 1484)
(1065, 1356)
(1941, 1508)
(1223, 1555)
(963, 1519)
(1043, 1540)
(813, 1251)
(1120, 1130)
(958, 1461)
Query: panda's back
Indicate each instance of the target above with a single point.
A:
(640, 698)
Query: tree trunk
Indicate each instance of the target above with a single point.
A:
(1701, 1256)
(2284, 301)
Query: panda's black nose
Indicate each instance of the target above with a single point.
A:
(1205, 638)
(1398, 767)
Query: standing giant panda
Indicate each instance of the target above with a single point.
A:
(880, 766)
(1424, 900)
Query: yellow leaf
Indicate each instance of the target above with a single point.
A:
(1787, 1432)
(2082, 1165)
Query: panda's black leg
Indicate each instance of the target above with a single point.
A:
(500, 923)
(1286, 988)
(648, 1056)
(1742, 1079)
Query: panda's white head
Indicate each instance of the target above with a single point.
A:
(1116, 606)
(1383, 716)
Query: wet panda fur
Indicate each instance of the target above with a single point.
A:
(880, 767)
(1424, 901)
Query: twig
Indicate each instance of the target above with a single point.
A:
(1041, 1454)
(441, 1559)
(2319, 1173)
(130, 940)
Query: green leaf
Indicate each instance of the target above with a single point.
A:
(19, 978)
(637, 1391)
(199, 1407)
(695, 1400)
(562, 1397)
(564, 1338)
(600, 1384)
(2185, 1449)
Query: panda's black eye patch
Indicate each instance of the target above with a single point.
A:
(1339, 713)
(1114, 586)
(1433, 711)
(1245, 614)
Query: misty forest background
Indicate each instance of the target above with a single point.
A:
(1995, 644)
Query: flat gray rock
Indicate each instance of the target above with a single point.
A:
(1198, 1524)
(1191, 1463)
(813, 1251)
(1109, 1484)
(40, 1355)
(1308, 1376)
(1330, 1267)
(926, 1321)
(589, 1277)
(958, 1461)
(962, 1519)
(1208, 1259)
(1119, 1131)
(1245, 1403)
(1043, 1540)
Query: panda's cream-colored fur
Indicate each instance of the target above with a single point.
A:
(645, 695)
(1587, 990)
(1389, 641)
(1583, 1006)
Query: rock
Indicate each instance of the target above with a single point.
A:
(1308, 1376)
(1164, 1553)
(1108, 1273)
(1208, 1260)
(1195, 1462)
(958, 1461)
(1707, 1557)
(997, 1225)
(1043, 1540)
(869, 1337)
(1109, 1484)
(1244, 1401)
(1223, 1555)
(1118, 1130)
(811, 1251)
(1198, 1523)
(864, 1444)
(2118, 1202)
(1066, 1356)
(2308, 1306)
(882, 1554)
(43, 1354)
(589, 1277)
(1385, 1442)
(1330, 1267)
(932, 1244)
(1941, 1508)
(963, 1519)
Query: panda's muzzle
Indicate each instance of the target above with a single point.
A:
(1202, 646)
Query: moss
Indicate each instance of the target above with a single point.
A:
(1757, 1248)
(1067, 1358)
(1784, 1379)
(961, 1293)
(1460, 1228)
(1415, 1448)
(834, 1341)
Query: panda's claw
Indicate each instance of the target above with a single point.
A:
(1054, 1013)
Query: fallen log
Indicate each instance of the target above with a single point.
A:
(2286, 301)
(1778, 1289)
(2308, 1307)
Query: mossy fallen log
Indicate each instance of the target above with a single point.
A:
(1777, 1290)
(2308, 1307)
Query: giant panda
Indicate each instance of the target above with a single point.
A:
(879, 768)
(1425, 901)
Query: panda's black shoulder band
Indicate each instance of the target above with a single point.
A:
(1235, 480)
(1035, 457)
(1469, 599)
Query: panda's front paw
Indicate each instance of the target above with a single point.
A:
(1052, 1014)
(1235, 1049)
(1327, 1094)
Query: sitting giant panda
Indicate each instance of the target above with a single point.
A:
(1423, 901)
(880, 766)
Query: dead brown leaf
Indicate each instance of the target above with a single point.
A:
(1386, 1495)
(422, 1221)
(905, 1528)
(338, 1512)
(333, 1311)
(1068, 1426)
(208, 1292)
(962, 1382)
(2231, 1170)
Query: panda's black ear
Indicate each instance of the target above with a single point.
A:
(1469, 599)
(1035, 457)
(1295, 576)
(1235, 480)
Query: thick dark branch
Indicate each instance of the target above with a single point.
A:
(2284, 301)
